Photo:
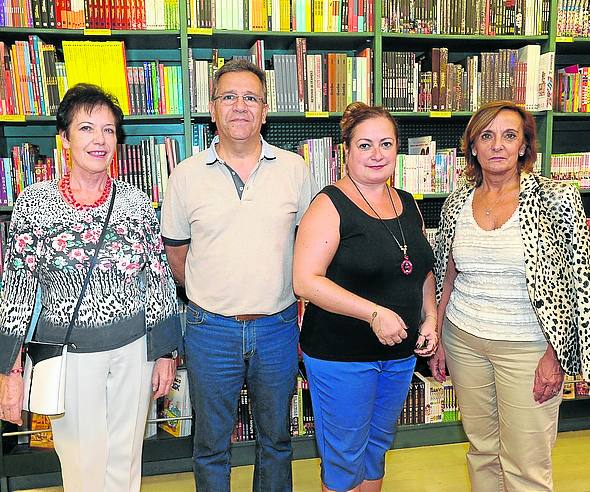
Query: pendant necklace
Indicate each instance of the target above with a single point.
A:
(406, 265)
(488, 210)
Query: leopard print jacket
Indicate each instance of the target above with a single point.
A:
(557, 248)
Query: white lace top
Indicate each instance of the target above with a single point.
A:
(490, 298)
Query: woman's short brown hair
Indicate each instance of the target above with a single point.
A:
(481, 120)
(357, 112)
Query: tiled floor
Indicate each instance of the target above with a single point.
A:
(427, 469)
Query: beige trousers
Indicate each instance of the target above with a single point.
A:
(99, 439)
(510, 435)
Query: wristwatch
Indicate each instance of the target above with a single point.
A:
(170, 355)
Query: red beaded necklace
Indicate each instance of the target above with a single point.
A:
(66, 192)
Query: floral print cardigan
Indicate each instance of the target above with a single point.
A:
(131, 291)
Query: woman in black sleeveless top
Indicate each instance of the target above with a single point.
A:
(364, 264)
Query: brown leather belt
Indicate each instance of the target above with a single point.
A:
(248, 317)
(238, 317)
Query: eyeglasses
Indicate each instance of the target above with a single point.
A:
(230, 99)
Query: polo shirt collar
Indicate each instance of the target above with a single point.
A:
(266, 153)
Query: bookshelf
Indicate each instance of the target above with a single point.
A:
(558, 132)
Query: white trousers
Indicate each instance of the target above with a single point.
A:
(510, 434)
(99, 439)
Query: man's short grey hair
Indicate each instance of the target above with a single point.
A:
(240, 65)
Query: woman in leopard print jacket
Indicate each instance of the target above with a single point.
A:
(513, 286)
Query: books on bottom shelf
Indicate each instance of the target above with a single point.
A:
(429, 402)
(575, 387)
(176, 403)
(42, 439)
(36, 422)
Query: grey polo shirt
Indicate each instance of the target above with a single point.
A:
(240, 249)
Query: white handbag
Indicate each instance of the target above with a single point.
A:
(44, 376)
(45, 393)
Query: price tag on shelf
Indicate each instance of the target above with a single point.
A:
(317, 114)
(564, 39)
(203, 31)
(97, 32)
(440, 114)
(12, 117)
(418, 196)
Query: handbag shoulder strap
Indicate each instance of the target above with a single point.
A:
(93, 261)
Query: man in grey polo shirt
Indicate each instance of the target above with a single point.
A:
(228, 221)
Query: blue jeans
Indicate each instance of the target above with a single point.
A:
(355, 407)
(222, 353)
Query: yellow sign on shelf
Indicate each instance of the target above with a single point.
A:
(97, 32)
(564, 39)
(418, 196)
(12, 117)
(203, 31)
(317, 114)
(440, 114)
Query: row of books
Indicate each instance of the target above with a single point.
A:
(432, 83)
(324, 158)
(155, 88)
(572, 92)
(572, 167)
(25, 167)
(201, 137)
(298, 82)
(482, 17)
(173, 406)
(145, 165)
(438, 173)
(90, 14)
(429, 402)
(32, 81)
(573, 18)
(282, 15)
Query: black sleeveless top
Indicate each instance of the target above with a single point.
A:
(367, 263)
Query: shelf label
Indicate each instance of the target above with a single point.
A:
(564, 39)
(20, 118)
(203, 31)
(440, 114)
(317, 114)
(97, 32)
(418, 196)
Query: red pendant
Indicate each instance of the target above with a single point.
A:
(406, 266)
